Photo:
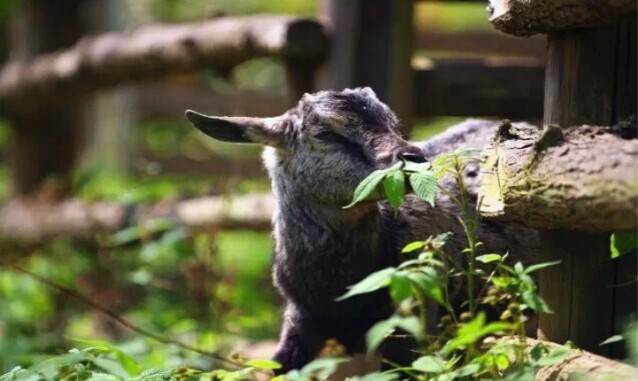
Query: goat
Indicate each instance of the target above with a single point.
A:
(316, 154)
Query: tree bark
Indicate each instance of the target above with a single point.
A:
(580, 362)
(154, 51)
(579, 178)
(529, 17)
(27, 223)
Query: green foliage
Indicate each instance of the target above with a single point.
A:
(622, 243)
(421, 178)
(465, 345)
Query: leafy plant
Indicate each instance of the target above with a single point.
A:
(463, 344)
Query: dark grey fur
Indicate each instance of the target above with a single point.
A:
(317, 154)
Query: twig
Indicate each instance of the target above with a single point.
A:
(124, 322)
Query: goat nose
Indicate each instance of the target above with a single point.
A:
(413, 154)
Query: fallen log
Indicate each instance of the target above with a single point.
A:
(529, 17)
(154, 51)
(579, 363)
(578, 178)
(28, 223)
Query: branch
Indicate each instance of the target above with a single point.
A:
(125, 322)
(27, 223)
(528, 17)
(154, 51)
(578, 178)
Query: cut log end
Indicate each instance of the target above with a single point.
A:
(529, 17)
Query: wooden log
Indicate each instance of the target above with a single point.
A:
(479, 88)
(528, 17)
(585, 84)
(579, 178)
(490, 43)
(153, 51)
(28, 223)
(374, 49)
(579, 363)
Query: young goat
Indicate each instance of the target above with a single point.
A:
(316, 155)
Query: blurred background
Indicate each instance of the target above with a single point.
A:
(125, 143)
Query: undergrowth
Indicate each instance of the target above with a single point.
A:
(464, 345)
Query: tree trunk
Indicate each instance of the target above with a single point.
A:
(374, 49)
(47, 136)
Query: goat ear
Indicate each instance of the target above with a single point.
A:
(234, 129)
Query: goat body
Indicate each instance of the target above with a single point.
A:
(316, 155)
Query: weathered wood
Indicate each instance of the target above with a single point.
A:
(582, 86)
(580, 363)
(479, 88)
(483, 43)
(528, 17)
(154, 51)
(374, 49)
(579, 178)
(579, 290)
(40, 27)
(167, 100)
(28, 222)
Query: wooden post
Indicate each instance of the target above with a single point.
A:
(374, 48)
(47, 137)
(586, 83)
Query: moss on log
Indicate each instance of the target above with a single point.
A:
(529, 17)
(578, 178)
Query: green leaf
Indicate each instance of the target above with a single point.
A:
(321, 368)
(410, 324)
(502, 362)
(439, 240)
(400, 287)
(538, 351)
(428, 284)
(366, 187)
(613, 339)
(539, 266)
(394, 187)
(468, 370)
(425, 186)
(156, 374)
(377, 333)
(413, 246)
(376, 376)
(488, 258)
(111, 366)
(97, 376)
(470, 332)
(129, 364)
(429, 364)
(535, 302)
(504, 282)
(622, 243)
(372, 282)
(263, 364)
(554, 356)
(416, 167)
